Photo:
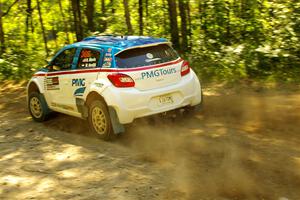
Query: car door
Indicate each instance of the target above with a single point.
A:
(88, 60)
(57, 80)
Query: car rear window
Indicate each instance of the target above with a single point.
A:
(145, 56)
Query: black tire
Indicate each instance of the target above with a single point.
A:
(99, 120)
(38, 107)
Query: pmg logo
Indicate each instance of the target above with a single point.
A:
(78, 82)
(158, 72)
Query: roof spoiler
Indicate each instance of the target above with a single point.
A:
(144, 45)
(96, 36)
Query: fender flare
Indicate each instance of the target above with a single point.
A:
(35, 81)
(117, 126)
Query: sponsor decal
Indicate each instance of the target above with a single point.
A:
(106, 65)
(78, 82)
(88, 58)
(86, 53)
(149, 55)
(92, 59)
(83, 65)
(158, 73)
(79, 91)
(99, 85)
(151, 58)
(52, 83)
(107, 59)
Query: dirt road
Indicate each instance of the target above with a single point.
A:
(243, 145)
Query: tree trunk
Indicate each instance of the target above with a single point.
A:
(90, 9)
(189, 31)
(42, 27)
(147, 16)
(112, 3)
(244, 17)
(77, 19)
(228, 35)
(147, 8)
(2, 14)
(70, 20)
(65, 22)
(103, 7)
(28, 20)
(165, 20)
(141, 23)
(2, 39)
(173, 23)
(103, 10)
(53, 32)
(127, 17)
(202, 11)
(183, 17)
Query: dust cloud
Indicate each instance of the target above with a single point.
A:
(222, 152)
(242, 145)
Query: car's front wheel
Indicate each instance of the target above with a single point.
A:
(38, 107)
(99, 120)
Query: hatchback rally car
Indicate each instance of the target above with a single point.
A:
(112, 80)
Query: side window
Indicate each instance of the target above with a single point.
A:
(64, 60)
(88, 58)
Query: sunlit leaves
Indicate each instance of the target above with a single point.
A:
(231, 39)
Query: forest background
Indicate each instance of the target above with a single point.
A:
(224, 40)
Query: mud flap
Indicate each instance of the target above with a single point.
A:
(200, 106)
(117, 126)
(82, 108)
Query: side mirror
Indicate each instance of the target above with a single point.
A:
(45, 69)
(51, 67)
(56, 68)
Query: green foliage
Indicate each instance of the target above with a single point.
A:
(241, 61)
(254, 40)
(230, 39)
(19, 65)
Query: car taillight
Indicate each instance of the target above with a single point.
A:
(185, 68)
(121, 80)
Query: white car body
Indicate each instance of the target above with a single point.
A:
(158, 88)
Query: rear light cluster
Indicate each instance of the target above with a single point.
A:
(185, 68)
(121, 80)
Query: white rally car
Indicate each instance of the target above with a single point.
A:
(112, 80)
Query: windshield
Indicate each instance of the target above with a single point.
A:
(145, 56)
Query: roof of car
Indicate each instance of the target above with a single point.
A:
(119, 42)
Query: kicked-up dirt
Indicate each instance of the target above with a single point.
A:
(242, 145)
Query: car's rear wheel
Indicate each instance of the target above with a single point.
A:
(99, 120)
(38, 107)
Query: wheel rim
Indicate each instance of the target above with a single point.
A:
(99, 120)
(35, 107)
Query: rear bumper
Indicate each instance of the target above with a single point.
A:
(130, 103)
